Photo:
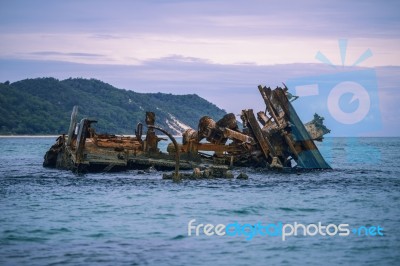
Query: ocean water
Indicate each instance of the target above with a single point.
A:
(53, 217)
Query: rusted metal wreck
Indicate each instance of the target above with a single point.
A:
(275, 139)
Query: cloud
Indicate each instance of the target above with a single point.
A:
(107, 36)
(260, 32)
(137, 48)
(310, 19)
(51, 53)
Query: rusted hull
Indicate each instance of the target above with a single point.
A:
(112, 154)
(275, 139)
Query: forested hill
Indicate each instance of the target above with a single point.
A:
(44, 105)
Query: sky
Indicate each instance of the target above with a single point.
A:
(220, 50)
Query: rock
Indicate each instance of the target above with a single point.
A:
(229, 174)
(206, 173)
(167, 176)
(218, 171)
(151, 169)
(197, 173)
(242, 176)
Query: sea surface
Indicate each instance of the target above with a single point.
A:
(54, 217)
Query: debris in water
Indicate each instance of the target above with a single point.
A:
(273, 139)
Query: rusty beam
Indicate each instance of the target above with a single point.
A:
(81, 139)
(266, 93)
(265, 145)
(72, 124)
(176, 176)
(215, 147)
(262, 118)
(229, 133)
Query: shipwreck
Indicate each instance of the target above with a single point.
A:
(274, 138)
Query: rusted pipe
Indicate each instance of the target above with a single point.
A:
(175, 177)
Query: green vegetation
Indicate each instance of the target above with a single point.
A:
(44, 105)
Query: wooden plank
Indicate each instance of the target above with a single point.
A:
(266, 147)
(266, 93)
(262, 118)
(215, 147)
(229, 133)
